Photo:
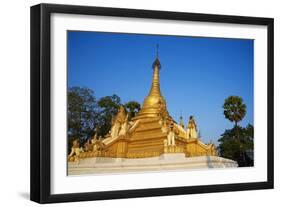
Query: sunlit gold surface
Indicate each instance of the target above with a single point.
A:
(150, 133)
(154, 103)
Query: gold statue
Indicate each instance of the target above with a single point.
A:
(191, 128)
(117, 122)
(87, 146)
(171, 136)
(93, 142)
(124, 126)
(75, 151)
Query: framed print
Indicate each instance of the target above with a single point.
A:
(132, 103)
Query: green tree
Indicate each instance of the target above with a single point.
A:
(132, 108)
(82, 113)
(108, 108)
(234, 109)
(237, 143)
(239, 149)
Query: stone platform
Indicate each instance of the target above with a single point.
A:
(167, 161)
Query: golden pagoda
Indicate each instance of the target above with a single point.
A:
(151, 133)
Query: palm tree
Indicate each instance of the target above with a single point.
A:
(234, 109)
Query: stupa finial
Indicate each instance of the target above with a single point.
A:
(181, 120)
(154, 103)
(156, 62)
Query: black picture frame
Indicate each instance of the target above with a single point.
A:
(41, 96)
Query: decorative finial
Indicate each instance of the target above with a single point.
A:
(156, 61)
(181, 120)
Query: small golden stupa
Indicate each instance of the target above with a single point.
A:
(151, 132)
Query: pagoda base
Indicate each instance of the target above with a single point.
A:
(166, 161)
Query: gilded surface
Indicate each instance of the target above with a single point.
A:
(150, 133)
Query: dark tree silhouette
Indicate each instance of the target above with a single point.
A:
(238, 149)
(82, 113)
(88, 116)
(132, 108)
(234, 109)
(237, 143)
(108, 108)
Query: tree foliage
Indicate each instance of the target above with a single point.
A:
(82, 113)
(108, 108)
(239, 148)
(234, 109)
(88, 116)
(132, 107)
(237, 143)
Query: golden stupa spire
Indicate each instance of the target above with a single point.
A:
(154, 103)
(155, 86)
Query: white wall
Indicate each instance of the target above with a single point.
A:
(14, 104)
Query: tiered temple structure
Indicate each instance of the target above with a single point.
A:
(151, 133)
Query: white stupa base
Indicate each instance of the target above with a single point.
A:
(167, 161)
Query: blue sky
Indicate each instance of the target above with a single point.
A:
(197, 74)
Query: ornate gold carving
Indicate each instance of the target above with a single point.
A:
(118, 122)
(75, 151)
(173, 149)
(143, 154)
(150, 133)
(191, 131)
